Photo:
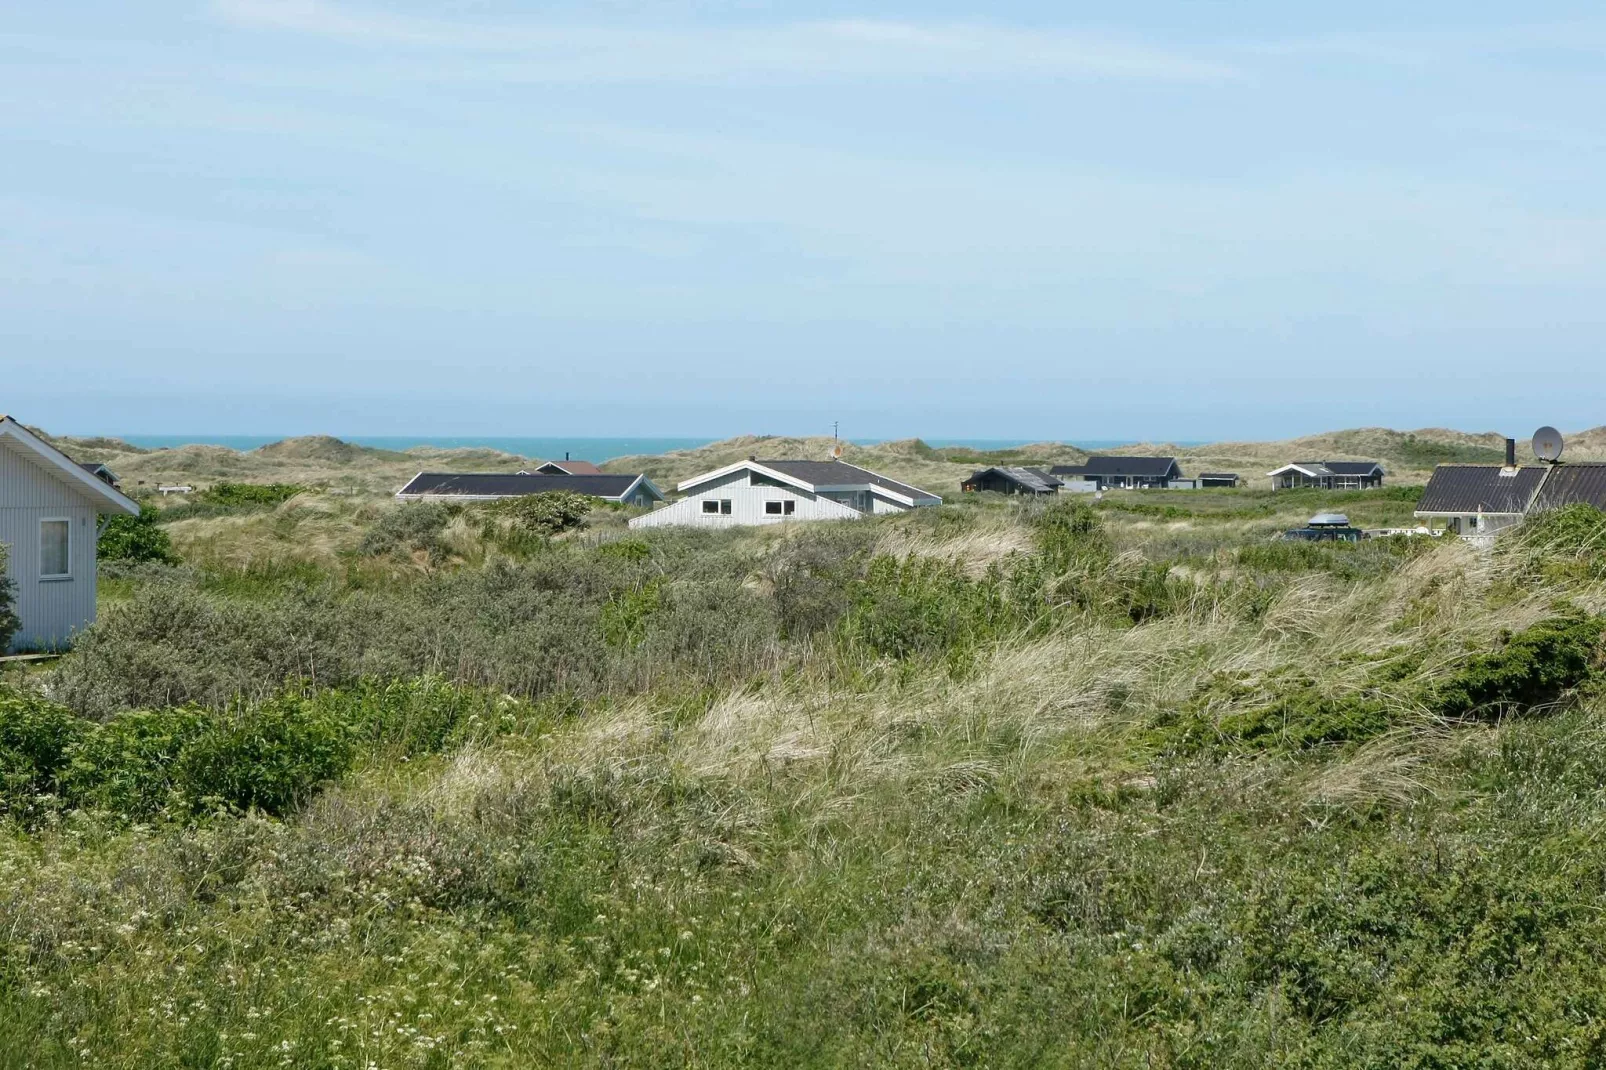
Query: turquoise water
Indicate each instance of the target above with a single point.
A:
(581, 449)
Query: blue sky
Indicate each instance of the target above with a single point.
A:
(1105, 220)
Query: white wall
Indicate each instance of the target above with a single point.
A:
(747, 506)
(51, 610)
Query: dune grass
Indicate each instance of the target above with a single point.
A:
(994, 785)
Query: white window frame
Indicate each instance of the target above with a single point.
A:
(774, 507)
(710, 502)
(725, 507)
(54, 577)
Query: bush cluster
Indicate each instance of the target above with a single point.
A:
(9, 622)
(135, 540)
(267, 756)
(237, 494)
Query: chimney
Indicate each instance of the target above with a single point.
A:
(1511, 453)
(565, 455)
(753, 457)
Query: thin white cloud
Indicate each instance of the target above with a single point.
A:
(868, 48)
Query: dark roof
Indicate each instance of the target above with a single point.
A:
(1472, 488)
(1218, 475)
(1034, 479)
(510, 485)
(99, 471)
(572, 468)
(841, 474)
(1118, 466)
(1573, 484)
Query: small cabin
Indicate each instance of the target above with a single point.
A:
(1122, 473)
(1327, 475)
(1011, 480)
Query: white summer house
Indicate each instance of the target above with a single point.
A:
(773, 492)
(50, 510)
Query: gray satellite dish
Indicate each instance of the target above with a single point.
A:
(1548, 444)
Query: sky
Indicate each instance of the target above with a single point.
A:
(1162, 219)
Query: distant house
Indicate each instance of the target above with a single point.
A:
(50, 508)
(1328, 475)
(1481, 501)
(1218, 479)
(1478, 501)
(1107, 473)
(770, 492)
(567, 467)
(1009, 480)
(635, 490)
(101, 472)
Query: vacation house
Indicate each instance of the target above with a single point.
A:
(1011, 480)
(1107, 473)
(50, 510)
(1328, 475)
(770, 492)
(635, 490)
(1481, 501)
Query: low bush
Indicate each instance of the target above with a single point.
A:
(132, 765)
(265, 758)
(1531, 668)
(238, 494)
(547, 513)
(35, 738)
(9, 622)
(135, 540)
(416, 527)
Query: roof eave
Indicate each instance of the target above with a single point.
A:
(110, 495)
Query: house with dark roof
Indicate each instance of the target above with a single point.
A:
(101, 472)
(51, 510)
(1479, 500)
(1218, 479)
(1011, 480)
(567, 467)
(635, 490)
(770, 492)
(1328, 475)
(1107, 473)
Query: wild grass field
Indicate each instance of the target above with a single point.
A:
(335, 782)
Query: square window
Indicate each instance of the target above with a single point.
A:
(791, 507)
(724, 507)
(55, 537)
(772, 508)
(710, 506)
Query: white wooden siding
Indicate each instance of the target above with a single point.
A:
(51, 610)
(747, 506)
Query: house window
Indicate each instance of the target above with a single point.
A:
(710, 505)
(772, 508)
(724, 507)
(55, 543)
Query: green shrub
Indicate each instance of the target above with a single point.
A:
(130, 765)
(135, 539)
(411, 528)
(1069, 532)
(35, 737)
(1530, 668)
(267, 758)
(9, 622)
(238, 494)
(547, 513)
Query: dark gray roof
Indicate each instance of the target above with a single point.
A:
(1573, 484)
(1472, 488)
(1035, 479)
(511, 485)
(99, 471)
(841, 474)
(1218, 475)
(1118, 466)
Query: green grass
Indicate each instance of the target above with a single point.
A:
(1115, 799)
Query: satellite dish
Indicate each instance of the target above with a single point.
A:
(836, 452)
(1548, 444)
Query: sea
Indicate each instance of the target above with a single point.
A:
(579, 448)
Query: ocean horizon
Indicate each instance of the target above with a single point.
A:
(597, 449)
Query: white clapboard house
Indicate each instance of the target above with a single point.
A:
(50, 515)
(772, 492)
